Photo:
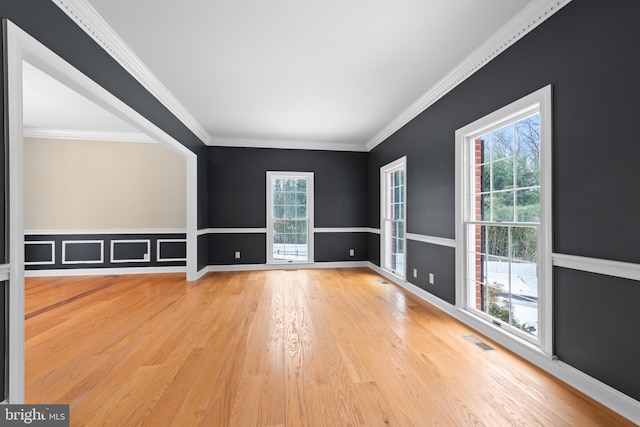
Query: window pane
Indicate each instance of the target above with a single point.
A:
(278, 212)
(278, 185)
(503, 206)
(289, 212)
(502, 174)
(301, 238)
(483, 207)
(527, 172)
(497, 240)
(524, 244)
(301, 212)
(289, 185)
(396, 194)
(524, 299)
(301, 199)
(497, 303)
(496, 272)
(301, 226)
(290, 199)
(528, 205)
(502, 143)
(397, 211)
(278, 198)
(301, 185)
(528, 137)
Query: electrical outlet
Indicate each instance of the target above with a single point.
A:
(432, 279)
(415, 272)
(237, 254)
(352, 252)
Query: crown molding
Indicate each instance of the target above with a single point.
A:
(83, 14)
(86, 135)
(520, 25)
(287, 144)
(86, 17)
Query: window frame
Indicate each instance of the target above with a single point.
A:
(539, 102)
(400, 163)
(309, 176)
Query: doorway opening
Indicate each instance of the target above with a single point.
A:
(21, 47)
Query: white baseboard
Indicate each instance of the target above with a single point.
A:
(595, 389)
(292, 266)
(102, 271)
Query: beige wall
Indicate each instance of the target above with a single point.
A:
(99, 185)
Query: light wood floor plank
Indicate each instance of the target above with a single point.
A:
(332, 347)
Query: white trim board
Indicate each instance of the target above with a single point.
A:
(231, 231)
(86, 135)
(108, 232)
(294, 266)
(264, 230)
(441, 241)
(288, 144)
(102, 271)
(341, 230)
(597, 390)
(625, 270)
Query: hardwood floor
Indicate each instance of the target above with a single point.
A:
(275, 348)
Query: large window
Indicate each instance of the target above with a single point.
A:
(392, 216)
(289, 217)
(505, 218)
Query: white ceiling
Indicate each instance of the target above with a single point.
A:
(310, 74)
(49, 105)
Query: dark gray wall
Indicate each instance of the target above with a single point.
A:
(588, 311)
(237, 199)
(587, 51)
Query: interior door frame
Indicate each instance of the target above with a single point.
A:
(20, 46)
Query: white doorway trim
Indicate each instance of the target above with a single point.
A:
(20, 46)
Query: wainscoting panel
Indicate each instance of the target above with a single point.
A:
(65, 250)
(130, 250)
(40, 253)
(82, 251)
(172, 250)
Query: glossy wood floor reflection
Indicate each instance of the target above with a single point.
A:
(275, 348)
